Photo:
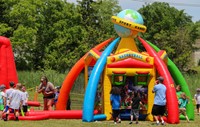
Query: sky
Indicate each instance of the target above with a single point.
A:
(191, 7)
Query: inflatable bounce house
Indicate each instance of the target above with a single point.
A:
(121, 64)
(8, 70)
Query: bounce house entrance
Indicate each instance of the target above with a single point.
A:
(136, 84)
(130, 85)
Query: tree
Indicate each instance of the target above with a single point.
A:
(198, 28)
(53, 34)
(96, 19)
(171, 30)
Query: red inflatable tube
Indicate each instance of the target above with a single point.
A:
(54, 114)
(60, 114)
(33, 103)
(38, 117)
(73, 114)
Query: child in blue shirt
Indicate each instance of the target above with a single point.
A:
(115, 99)
(182, 105)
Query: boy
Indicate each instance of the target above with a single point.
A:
(7, 94)
(15, 101)
(135, 105)
(25, 98)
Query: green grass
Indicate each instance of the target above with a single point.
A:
(79, 123)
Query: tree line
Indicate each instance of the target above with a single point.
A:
(54, 34)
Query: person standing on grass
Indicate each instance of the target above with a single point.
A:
(57, 92)
(197, 100)
(7, 94)
(2, 99)
(15, 101)
(183, 101)
(25, 98)
(115, 100)
(135, 107)
(47, 89)
(159, 100)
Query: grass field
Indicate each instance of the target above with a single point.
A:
(79, 123)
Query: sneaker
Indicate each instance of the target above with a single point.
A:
(131, 122)
(115, 122)
(157, 123)
(5, 119)
(136, 122)
(119, 121)
(163, 123)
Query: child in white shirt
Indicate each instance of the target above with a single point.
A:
(15, 101)
(197, 100)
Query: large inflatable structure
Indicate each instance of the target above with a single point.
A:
(120, 64)
(8, 70)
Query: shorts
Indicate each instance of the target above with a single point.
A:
(11, 110)
(158, 110)
(182, 111)
(135, 113)
(49, 97)
(198, 106)
(6, 109)
(115, 114)
(25, 108)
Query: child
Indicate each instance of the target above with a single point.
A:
(178, 91)
(7, 94)
(57, 92)
(2, 99)
(25, 98)
(182, 105)
(128, 100)
(115, 99)
(197, 100)
(135, 106)
(15, 100)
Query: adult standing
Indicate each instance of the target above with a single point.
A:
(47, 89)
(159, 100)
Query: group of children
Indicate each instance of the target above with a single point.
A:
(13, 100)
(133, 100)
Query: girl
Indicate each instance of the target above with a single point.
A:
(182, 105)
(115, 99)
